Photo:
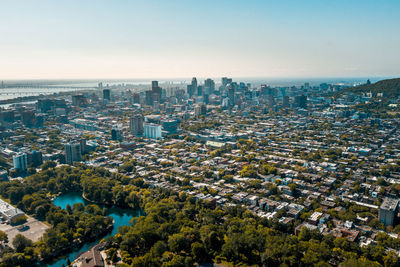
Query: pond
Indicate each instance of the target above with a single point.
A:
(121, 216)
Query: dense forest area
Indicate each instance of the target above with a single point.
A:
(177, 229)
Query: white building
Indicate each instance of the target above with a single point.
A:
(20, 161)
(152, 130)
(8, 212)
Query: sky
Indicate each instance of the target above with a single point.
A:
(89, 39)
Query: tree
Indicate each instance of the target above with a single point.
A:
(3, 237)
(48, 165)
(199, 252)
(20, 242)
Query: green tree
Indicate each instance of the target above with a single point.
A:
(20, 242)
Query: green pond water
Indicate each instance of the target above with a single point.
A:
(121, 216)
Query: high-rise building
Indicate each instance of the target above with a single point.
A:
(152, 131)
(388, 211)
(194, 83)
(200, 90)
(72, 153)
(83, 145)
(301, 101)
(170, 126)
(149, 97)
(156, 91)
(107, 94)
(190, 90)
(209, 86)
(7, 116)
(231, 94)
(116, 133)
(20, 162)
(28, 118)
(136, 125)
(35, 158)
(286, 103)
(79, 100)
(226, 81)
(136, 98)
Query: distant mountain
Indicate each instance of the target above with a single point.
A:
(390, 88)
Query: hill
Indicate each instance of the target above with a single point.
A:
(390, 88)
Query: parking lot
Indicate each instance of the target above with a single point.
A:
(32, 229)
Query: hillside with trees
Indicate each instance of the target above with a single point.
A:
(390, 88)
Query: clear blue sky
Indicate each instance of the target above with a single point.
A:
(184, 38)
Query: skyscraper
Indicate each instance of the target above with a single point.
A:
(286, 102)
(209, 86)
(301, 101)
(72, 153)
(156, 92)
(20, 162)
(149, 97)
(194, 83)
(107, 94)
(136, 125)
(116, 133)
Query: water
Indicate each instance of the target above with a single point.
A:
(14, 92)
(121, 217)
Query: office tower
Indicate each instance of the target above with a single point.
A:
(190, 90)
(286, 103)
(301, 101)
(136, 98)
(206, 99)
(209, 86)
(28, 118)
(136, 125)
(388, 211)
(39, 120)
(200, 90)
(116, 133)
(226, 81)
(100, 85)
(83, 145)
(156, 91)
(149, 97)
(7, 116)
(156, 106)
(231, 95)
(152, 131)
(170, 126)
(79, 100)
(271, 101)
(194, 83)
(35, 158)
(72, 153)
(107, 94)
(20, 162)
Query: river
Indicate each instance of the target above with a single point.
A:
(121, 217)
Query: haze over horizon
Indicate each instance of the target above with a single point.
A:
(169, 39)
